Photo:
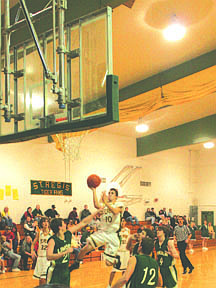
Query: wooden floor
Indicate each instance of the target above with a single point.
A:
(96, 274)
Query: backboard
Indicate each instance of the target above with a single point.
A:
(91, 89)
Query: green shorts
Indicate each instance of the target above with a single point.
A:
(58, 274)
(169, 276)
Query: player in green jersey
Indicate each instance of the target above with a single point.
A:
(142, 270)
(166, 254)
(59, 249)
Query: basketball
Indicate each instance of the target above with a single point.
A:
(156, 200)
(93, 181)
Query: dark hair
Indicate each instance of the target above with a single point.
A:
(165, 230)
(42, 220)
(147, 245)
(55, 224)
(116, 191)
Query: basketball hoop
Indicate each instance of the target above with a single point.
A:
(69, 144)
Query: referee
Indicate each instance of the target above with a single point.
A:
(183, 235)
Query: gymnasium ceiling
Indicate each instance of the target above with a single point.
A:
(141, 54)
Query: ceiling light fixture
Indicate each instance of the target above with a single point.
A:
(209, 145)
(141, 127)
(175, 31)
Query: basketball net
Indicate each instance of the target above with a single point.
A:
(70, 144)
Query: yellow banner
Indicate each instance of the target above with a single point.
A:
(1, 194)
(15, 194)
(8, 190)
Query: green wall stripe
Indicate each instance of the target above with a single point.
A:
(197, 131)
(180, 71)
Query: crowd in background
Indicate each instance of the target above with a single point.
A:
(10, 239)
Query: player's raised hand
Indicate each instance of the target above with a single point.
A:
(104, 197)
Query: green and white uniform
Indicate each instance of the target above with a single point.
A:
(58, 271)
(145, 273)
(167, 264)
(107, 232)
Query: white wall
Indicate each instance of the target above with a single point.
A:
(103, 154)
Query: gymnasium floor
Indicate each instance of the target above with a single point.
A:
(96, 275)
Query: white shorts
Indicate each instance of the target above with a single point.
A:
(124, 258)
(41, 268)
(109, 239)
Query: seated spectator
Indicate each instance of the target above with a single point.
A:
(211, 230)
(51, 212)
(2, 271)
(6, 216)
(25, 251)
(2, 223)
(149, 216)
(73, 215)
(16, 240)
(37, 213)
(204, 235)
(29, 228)
(129, 218)
(85, 212)
(8, 252)
(170, 214)
(192, 227)
(28, 212)
(8, 234)
(86, 233)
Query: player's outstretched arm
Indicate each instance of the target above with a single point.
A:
(84, 222)
(130, 269)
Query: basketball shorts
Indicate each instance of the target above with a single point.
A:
(109, 239)
(169, 276)
(124, 258)
(58, 274)
(41, 268)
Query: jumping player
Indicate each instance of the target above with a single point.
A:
(107, 231)
(166, 254)
(142, 270)
(59, 249)
(123, 252)
(42, 263)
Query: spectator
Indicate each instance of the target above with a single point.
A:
(7, 251)
(25, 251)
(185, 220)
(129, 218)
(73, 215)
(204, 235)
(87, 232)
(148, 216)
(8, 234)
(85, 212)
(192, 227)
(29, 228)
(37, 213)
(16, 240)
(52, 213)
(28, 212)
(6, 217)
(2, 223)
(170, 213)
(211, 230)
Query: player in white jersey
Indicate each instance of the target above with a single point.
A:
(107, 233)
(42, 263)
(123, 253)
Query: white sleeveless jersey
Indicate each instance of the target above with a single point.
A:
(124, 234)
(42, 247)
(109, 221)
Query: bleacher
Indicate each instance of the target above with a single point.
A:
(97, 255)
